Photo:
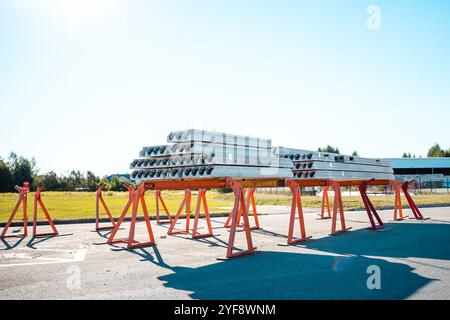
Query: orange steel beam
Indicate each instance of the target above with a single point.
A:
(23, 192)
(38, 200)
(296, 207)
(325, 202)
(211, 183)
(159, 200)
(99, 199)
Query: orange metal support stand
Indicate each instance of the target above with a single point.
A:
(159, 200)
(185, 205)
(338, 206)
(136, 196)
(250, 198)
(398, 210)
(202, 200)
(237, 185)
(296, 207)
(38, 200)
(239, 199)
(99, 199)
(23, 192)
(371, 211)
(325, 202)
(416, 212)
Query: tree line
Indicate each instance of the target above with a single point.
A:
(17, 169)
(434, 152)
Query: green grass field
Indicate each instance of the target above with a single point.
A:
(81, 205)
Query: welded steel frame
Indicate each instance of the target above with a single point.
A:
(250, 199)
(38, 201)
(237, 185)
(23, 194)
(99, 200)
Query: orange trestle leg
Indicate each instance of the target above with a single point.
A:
(398, 210)
(99, 199)
(186, 206)
(239, 199)
(38, 200)
(250, 198)
(337, 206)
(415, 210)
(202, 200)
(325, 202)
(296, 207)
(159, 199)
(371, 211)
(136, 196)
(23, 192)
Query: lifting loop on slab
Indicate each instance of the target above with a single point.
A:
(38, 200)
(416, 212)
(250, 198)
(135, 197)
(159, 200)
(100, 200)
(371, 211)
(23, 192)
(296, 207)
(239, 199)
(337, 207)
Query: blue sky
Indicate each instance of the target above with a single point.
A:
(85, 84)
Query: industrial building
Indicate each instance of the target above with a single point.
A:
(429, 172)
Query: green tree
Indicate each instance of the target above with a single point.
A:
(406, 155)
(436, 152)
(105, 183)
(355, 154)
(51, 181)
(92, 182)
(116, 184)
(21, 169)
(329, 149)
(74, 180)
(6, 179)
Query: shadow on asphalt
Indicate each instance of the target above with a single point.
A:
(282, 275)
(401, 240)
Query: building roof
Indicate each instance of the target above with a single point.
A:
(408, 163)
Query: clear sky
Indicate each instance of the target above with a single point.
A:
(85, 84)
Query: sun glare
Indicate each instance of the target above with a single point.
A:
(74, 13)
